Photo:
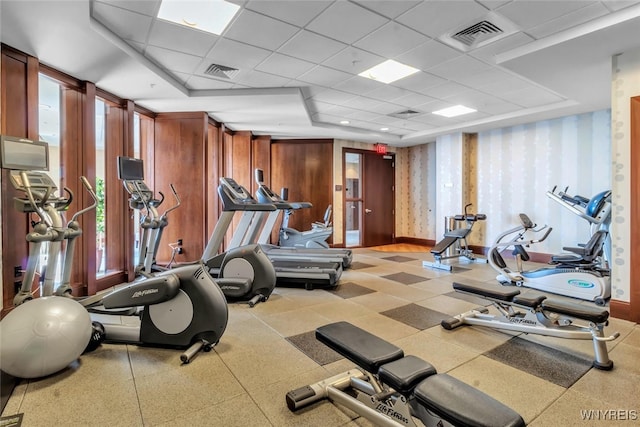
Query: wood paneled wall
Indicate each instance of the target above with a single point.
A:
(19, 117)
(180, 159)
(305, 167)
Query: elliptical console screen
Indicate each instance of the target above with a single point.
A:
(130, 169)
(23, 154)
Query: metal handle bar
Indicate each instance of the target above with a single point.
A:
(94, 196)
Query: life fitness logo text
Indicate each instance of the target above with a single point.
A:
(581, 284)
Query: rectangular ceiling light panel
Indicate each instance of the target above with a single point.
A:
(211, 16)
(456, 110)
(389, 71)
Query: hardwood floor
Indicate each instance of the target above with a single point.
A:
(401, 247)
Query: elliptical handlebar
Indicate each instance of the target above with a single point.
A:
(174, 207)
(94, 196)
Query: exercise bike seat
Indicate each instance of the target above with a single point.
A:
(359, 346)
(461, 404)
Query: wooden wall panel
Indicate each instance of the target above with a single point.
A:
(260, 159)
(17, 119)
(305, 167)
(214, 165)
(180, 160)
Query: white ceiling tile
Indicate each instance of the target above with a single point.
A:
(412, 98)
(388, 8)
(484, 78)
(488, 52)
(459, 67)
(331, 96)
(324, 76)
(285, 65)
(172, 60)
(428, 55)
(339, 110)
(364, 115)
(237, 55)
(447, 89)
(362, 103)
(500, 107)
(506, 85)
(418, 126)
(493, 4)
(346, 22)
(358, 85)
(435, 18)
(387, 93)
(181, 38)
(529, 14)
(298, 13)
(391, 40)
(353, 60)
(569, 20)
(387, 108)
(259, 30)
(311, 47)
(128, 25)
(420, 82)
(146, 7)
(259, 79)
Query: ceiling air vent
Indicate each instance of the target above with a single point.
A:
(222, 71)
(477, 33)
(487, 29)
(405, 114)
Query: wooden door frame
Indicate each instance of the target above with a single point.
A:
(364, 153)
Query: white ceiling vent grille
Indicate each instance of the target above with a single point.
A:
(217, 70)
(488, 29)
(477, 33)
(406, 114)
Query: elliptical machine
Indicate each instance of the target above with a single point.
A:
(576, 279)
(244, 274)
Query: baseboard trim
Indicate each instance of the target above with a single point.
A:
(415, 241)
(622, 310)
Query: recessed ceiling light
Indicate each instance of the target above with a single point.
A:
(456, 110)
(344, 122)
(388, 71)
(211, 16)
(384, 128)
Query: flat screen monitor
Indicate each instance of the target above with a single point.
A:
(130, 169)
(23, 154)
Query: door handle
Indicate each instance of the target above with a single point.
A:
(368, 211)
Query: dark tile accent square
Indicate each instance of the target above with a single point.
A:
(357, 265)
(552, 365)
(399, 258)
(469, 298)
(309, 345)
(405, 278)
(350, 290)
(416, 316)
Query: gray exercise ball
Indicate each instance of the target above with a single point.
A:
(43, 336)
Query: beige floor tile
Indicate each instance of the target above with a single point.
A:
(438, 285)
(296, 321)
(475, 338)
(618, 387)
(509, 385)
(341, 310)
(447, 305)
(575, 409)
(239, 411)
(384, 327)
(633, 338)
(379, 301)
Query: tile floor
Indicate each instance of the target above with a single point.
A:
(269, 350)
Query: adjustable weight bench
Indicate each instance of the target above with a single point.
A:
(537, 315)
(391, 389)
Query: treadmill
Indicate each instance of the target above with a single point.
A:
(293, 272)
(265, 195)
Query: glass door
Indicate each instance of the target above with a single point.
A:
(353, 199)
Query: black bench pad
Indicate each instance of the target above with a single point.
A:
(361, 347)
(491, 292)
(460, 404)
(404, 374)
(584, 312)
(531, 302)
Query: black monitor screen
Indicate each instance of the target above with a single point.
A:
(130, 169)
(23, 154)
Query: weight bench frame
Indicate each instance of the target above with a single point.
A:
(538, 316)
(390, 389)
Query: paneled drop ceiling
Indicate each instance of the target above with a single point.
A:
(290, 68)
